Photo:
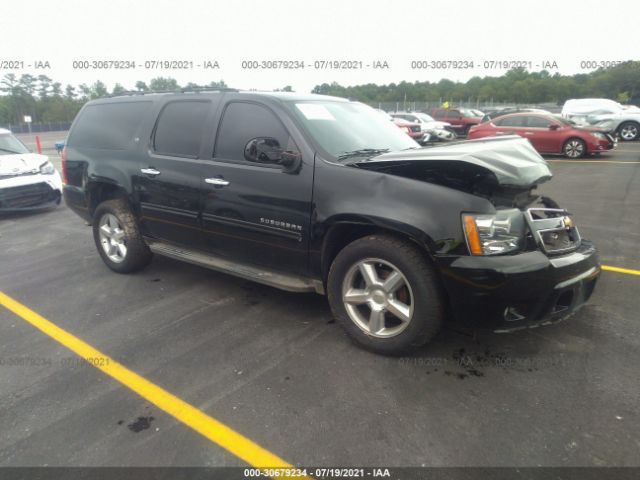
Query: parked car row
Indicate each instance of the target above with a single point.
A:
(437, 131)
(460, 119)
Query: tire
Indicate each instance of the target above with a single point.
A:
(415, 293)
(574, 148)
(118, 238)
(629, 131)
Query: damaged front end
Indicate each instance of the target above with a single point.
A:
(503, 170)
(525, 264)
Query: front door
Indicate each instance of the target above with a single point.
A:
(255, 210)
(541, 136)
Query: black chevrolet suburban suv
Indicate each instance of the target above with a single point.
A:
(322, 194)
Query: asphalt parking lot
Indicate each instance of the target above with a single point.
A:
(274, 367)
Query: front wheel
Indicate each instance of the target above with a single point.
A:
(385, 294)
(118, 238)
(574, 148)
(629, 131)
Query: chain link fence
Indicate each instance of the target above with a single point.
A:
(409, 106)
(38, 127)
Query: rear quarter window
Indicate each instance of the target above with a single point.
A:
(108, 126)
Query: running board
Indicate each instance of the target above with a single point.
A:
(290, 283)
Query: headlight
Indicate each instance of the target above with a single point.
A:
(47, 168)
(494, 234)
(599, 136)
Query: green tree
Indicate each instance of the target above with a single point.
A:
(141, 86)
(163, 84)
(118, 89)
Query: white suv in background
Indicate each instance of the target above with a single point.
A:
(624, 120)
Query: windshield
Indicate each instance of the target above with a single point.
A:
(425, 117)
(10, 145)
(344, 127)
(468, 113)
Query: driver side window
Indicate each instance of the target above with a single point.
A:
(242, 122)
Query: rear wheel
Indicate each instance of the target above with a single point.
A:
(118, 238)
(629, 131)
(574, 148)
(385, 294)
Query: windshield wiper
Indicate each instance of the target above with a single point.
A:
(365, 152)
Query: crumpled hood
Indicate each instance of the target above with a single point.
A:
(21, 163)
(511, 159)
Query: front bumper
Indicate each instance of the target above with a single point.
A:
(513, 292)
(602, 145)
(30, 192)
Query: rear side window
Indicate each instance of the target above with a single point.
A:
(538, 122)
(108, 126)
(439, 113)
(180, 127)
(454, 114)
(243, 122)
(517, 121)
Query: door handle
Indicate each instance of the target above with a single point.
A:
(528, 133)
(150, 171)
(219, 182)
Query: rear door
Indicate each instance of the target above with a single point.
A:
(256, 212)
(514, 124)
(169, 178)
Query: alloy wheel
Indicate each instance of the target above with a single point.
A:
(574, 149)
(629, 132)
(378, 298)
(112, 238)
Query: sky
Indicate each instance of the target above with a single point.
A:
(369, 33)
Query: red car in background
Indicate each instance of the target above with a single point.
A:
(461, 119)
(548, 133)
(414, 130)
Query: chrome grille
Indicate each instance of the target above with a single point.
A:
(553, 229)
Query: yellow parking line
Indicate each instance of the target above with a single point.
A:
(209, 427)
(628, 271)
(619, 162)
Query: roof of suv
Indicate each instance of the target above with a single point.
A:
(283, 96)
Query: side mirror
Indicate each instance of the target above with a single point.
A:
(267, 150)
(263, 150)
(554, 126)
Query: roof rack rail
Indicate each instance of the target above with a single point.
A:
(179, 90)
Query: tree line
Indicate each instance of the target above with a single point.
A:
(48, 101)
(518, 86)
